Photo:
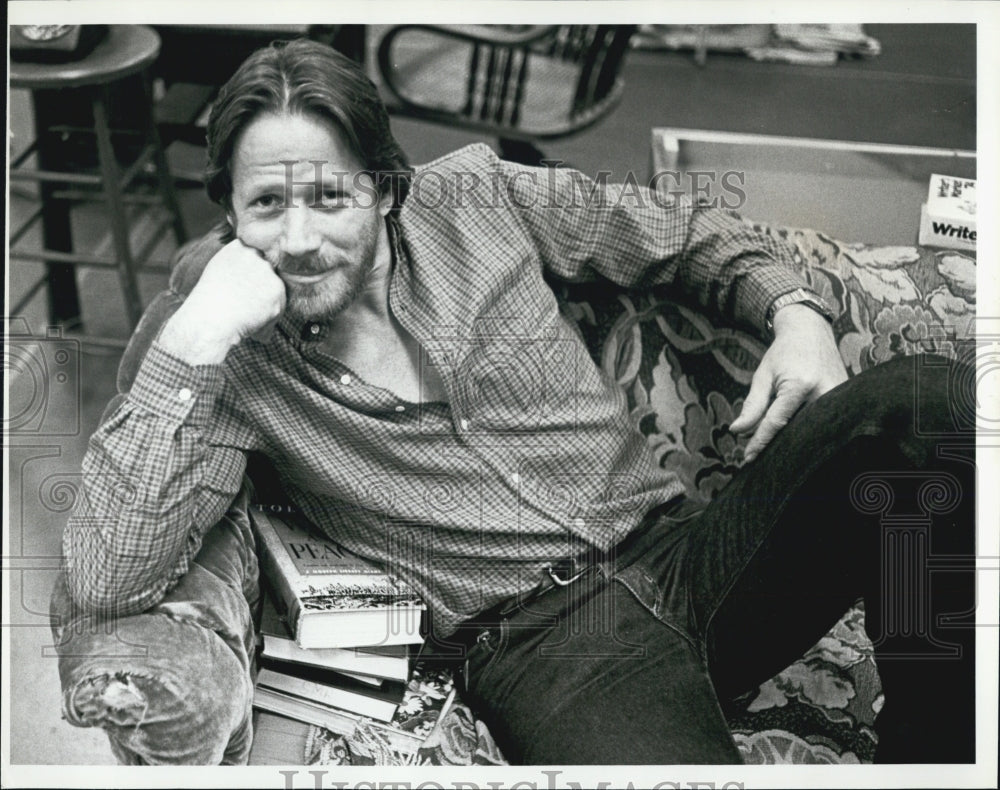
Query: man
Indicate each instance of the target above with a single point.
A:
(387, 339)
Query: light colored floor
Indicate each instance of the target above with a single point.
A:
(44, 469)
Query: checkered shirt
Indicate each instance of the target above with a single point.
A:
(532, 457)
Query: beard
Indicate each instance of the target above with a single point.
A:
(343, 282)
(323, 300)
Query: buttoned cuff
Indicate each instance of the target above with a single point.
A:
(758, 289)
(173, 389)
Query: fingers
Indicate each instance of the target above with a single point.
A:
(240, 292)
(776, 418)
(755, 405)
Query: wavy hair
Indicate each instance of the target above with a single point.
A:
(306, 77)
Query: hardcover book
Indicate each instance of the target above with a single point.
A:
(349, 661)
(330, 597)
(361, 740)
(332, 689)
(391, 662)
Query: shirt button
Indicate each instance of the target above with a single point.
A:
(400, 408)
(579, 523)
(314, 329)
(515, 478)
(345, 379)
(184, 394)
(464, 423)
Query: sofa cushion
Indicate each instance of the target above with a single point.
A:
(686, 377)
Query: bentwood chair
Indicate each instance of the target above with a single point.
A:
(523, 84)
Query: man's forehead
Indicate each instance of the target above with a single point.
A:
(271, 144)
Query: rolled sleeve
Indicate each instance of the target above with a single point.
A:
(735, 269)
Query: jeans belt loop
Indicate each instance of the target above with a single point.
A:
(560, 581)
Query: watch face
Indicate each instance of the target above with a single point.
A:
(45, 32)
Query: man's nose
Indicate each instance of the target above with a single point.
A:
(299, 234)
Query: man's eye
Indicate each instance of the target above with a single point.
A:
(267, 201)
(334, 199)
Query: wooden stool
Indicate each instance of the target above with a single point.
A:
(128, 50)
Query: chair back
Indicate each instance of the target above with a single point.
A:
(599, 50)
(546, 83)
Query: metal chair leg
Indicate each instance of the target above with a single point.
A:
(111, 175)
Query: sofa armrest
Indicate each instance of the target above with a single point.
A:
(889, 301)
(172, 685)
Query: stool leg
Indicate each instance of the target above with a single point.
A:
(111, 175)
(164, 178)
(57, 235)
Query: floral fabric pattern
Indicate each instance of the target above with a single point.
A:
(686, 379)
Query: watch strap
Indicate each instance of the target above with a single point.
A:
(801, 296)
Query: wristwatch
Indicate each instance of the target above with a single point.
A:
(801, 296)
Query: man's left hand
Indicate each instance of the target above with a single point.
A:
(801, 364)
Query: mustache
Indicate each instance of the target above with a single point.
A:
(302, 264)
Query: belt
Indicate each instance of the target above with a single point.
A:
(555, 575)
(563, 573)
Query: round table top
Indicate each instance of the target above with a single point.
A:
(125, 50)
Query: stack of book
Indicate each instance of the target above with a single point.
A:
(340, 642)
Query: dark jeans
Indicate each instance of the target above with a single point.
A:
(859, 496)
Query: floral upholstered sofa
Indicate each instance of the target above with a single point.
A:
(672, 360)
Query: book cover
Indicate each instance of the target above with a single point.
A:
(329, 596)
(428, 695)
(358, 740)
(322, 687)
(948, 218)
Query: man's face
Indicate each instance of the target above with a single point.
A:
(322, 244)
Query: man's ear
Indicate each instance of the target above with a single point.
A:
(385, 202)
(230, 221)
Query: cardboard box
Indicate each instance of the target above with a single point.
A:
(948, 218)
